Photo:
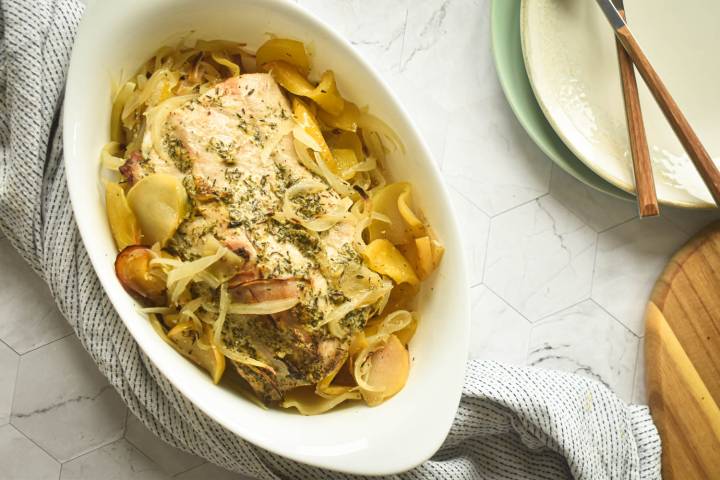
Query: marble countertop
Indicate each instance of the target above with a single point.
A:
(559, 272)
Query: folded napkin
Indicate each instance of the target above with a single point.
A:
(511, 423)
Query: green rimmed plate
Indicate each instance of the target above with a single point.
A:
(507, 50)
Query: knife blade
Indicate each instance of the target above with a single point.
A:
(616, 20)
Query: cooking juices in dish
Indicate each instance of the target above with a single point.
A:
(256, 226)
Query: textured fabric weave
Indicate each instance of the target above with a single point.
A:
(512, 422)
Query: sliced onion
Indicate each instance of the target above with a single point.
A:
(190, 269)
(223, 60)
(222, 45)
(394, 322)
(166, 262)
(142, 96)
(224, 309)
(263, 308)
(222, 314)
(160, 54)
(157, 117)
(383, 302)
(157, 326)
(359, 300)
(158, 310)
(177, 289)
(378, 180)
(305, 158)
(141, 80)
(188, 311)
(302, 136)
(209, 278)
(358, 241)
(179, 277)
(327, 221)
(304, 186)
(371, 123)
(361, 368)
(362, 180)
(368, 165)
(323, 222)
(380, 217)
(338, 184)
(361, 212)
(244, 359)
(121, 99)
(108, 157)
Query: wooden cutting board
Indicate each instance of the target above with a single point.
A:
(682, 359)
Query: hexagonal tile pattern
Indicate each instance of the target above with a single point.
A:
(8, 373)
(498, 332)
(116, 461)
(376, 29)
(475, 225)
(488, 156)
(639, 390)
(30, 318)
(63, 403)
(21, 459)
(210, 471)
(584, 339)
(540, 258)
(433, 28)
(490, 159)
(690, 221)
(170, 459)
(429, 116)
(436, 27)
(599, 210)
(630, 257)
(426, 40)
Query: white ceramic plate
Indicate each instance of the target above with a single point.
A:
(571, 60)
(117, 37)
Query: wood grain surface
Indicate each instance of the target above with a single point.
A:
(642, 167)
(682, 358)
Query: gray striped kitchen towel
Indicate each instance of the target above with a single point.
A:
(511, 423)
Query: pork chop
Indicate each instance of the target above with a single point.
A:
(233, 147)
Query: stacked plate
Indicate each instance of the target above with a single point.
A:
(557, 63)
